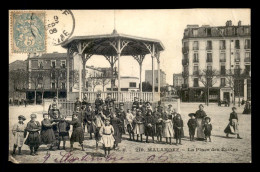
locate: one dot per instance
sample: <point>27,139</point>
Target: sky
<point>165,25</point>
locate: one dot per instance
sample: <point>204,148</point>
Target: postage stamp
<point>28,31</point>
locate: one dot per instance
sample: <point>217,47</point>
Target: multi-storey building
<point>47,72</point>
<point>177,80</point>
<point>148,78</point>
<point>222,48</point>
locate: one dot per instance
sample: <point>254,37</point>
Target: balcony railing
<point>185,62</point>
<point>195,48</point>
<point>184,85</point>
<point>195,72</point>
<point>247,47</point>
<point>185,50</point>
<point>237,60</point>
<point>222,60</point>
<point>209,48</point>
<point>247,59</point>
<point>195,60</point>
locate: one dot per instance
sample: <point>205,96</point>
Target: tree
<point>208,77</point>
<point>58,74</point>
<point>35,80</point>
<point>43,76</point>
<point>104,81</point>
<point>146,87</point>
<point>234,78</point>
<point>18,80</point>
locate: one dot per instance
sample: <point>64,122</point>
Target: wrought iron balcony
<point>184,85</point>
<point>185,62</point>
<point>209,48</point>
<point>222,60</point>
<point>185,50</point>
<point>247,59</point>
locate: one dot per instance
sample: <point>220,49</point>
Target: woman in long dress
<point>47,134</point>
<point>200,117</point>
<point>77,132</point>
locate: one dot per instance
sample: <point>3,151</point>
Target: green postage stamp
<point>28,31</point>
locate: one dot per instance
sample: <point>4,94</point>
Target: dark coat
<point>192,124</point>
<point>179,133</point>
<point>135,105</point>
<point>89,118</point>
<point>77,132</point>
<point>207,129</point>
<point>47,134</point>
<point>149,130</point>
<point>233,115</point>
<point>117,125</point>
<point>200,114</point>
<point>98,103</point>
<point>33,138</point>
<point>63,128</point>
<point>52,111</point>
<point>77,104</point>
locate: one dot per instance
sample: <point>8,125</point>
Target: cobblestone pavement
<point>221,149</point>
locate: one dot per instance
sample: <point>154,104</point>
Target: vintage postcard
<point>130,86</point>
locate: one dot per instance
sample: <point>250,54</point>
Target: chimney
<point>239,23</point>
<point>229,23</point>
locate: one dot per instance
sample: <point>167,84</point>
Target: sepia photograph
<point>130,86</point>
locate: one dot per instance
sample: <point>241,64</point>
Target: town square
<point>125,88</point>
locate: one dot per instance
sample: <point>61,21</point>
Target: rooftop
<point>228,30</point>
<point>100,44</point>
<point>48,55</point>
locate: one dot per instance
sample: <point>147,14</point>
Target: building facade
<point>46,72</point>
<point>177,80</point>
<point>148,77</point>
<point>222,49</point>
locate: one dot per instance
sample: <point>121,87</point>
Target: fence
<point>123,96</point>
<point>67,107</point>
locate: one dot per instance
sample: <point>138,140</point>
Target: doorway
<point>226,96</point>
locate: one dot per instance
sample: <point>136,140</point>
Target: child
<point>63,128</point>
<point>192,124</point>
<point>139,125</point>
<point>56,118</point>
<point>149,125</point>
<point>129,124</point>
<point>33,140</point>
<point>107,139</point>
<point>98,123</point>
<point>19,134</point>
<point>178,125</point>
<point>207,129</point>
<point>77,133</point>
<point>47,134</point>
<point>116,123</point>
<point>89,118</point>
<point>168,132</point>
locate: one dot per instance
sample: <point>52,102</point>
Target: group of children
<point>107,123</point>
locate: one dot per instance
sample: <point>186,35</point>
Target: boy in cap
<point>19,134</point>
<point>207,129</point>
<point>64,128</point>
<point>33,140</point>
<point>192,124</point>
<point>54,110</point>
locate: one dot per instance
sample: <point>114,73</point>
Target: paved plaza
<point>221,149</point>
